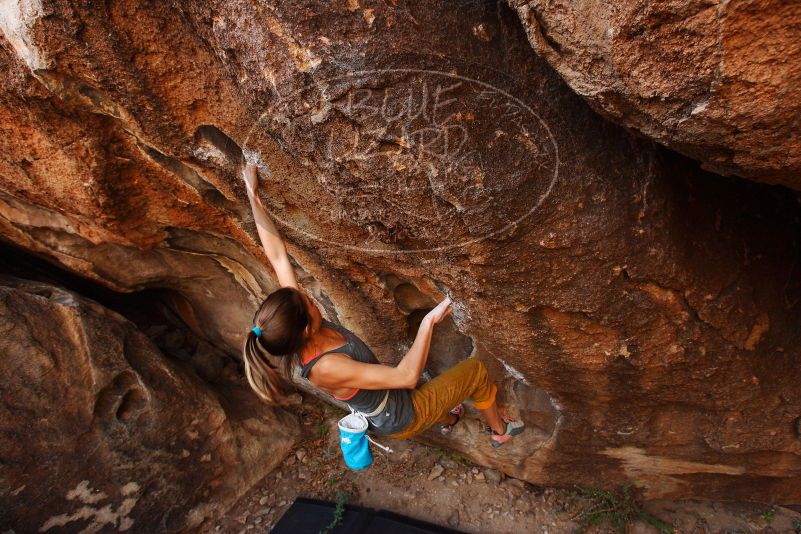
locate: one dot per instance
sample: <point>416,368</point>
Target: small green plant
<point>331,451</point>
<point>322,430</point>
<point>342,499</point>
<point>456,457</point>
<point>333,481</point>
<point>618,510</point>
<point>768,515</point>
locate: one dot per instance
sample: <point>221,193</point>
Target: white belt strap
<point>381,406</point>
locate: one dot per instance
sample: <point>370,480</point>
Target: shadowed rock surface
<point>102,433</point>
<point>716,80</point>
<point>641,314</point>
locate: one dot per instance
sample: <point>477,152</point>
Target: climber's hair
<point>282,318</point>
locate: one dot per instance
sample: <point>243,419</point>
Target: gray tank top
<point>399,410</point>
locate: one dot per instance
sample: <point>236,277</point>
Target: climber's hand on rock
<point>251,177</point>
<point>439,312</point>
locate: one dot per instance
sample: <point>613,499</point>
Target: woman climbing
<point>289,325</point>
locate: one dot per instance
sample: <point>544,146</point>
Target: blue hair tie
<point>256,330</point>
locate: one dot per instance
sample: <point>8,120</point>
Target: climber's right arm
<point>270,238</point>
<point>340,371</point>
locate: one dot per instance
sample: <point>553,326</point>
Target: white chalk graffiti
<point>445,160</point>
<point>98,516</point>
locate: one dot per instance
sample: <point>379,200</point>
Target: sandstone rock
<point>303,473</point>
<point>436,471</point>
<point>640,315</point>
<point>718,81</point>
<point>517,484</point>
<point>523,505</point>
<point>447,463</point>
<point>207,362</point>
<point>97,424</point>
<point>453,519</point>
<point>493,476</point>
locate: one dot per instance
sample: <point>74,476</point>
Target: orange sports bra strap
<point>306,362</point>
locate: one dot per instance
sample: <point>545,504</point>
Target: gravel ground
<point>440,487</point>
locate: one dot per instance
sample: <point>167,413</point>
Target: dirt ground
<point>440,487</point>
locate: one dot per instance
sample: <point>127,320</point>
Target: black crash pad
<point>310,516</point>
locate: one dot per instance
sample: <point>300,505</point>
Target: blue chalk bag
<point>353,441</point>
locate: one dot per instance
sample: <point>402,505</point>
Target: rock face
<point>640,314</point>
<point>101,432</point>
<point>718,81</point>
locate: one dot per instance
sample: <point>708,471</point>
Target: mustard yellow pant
<point>466,380</point>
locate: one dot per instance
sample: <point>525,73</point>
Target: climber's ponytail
<point>262,376</point>
<point>279,329</point>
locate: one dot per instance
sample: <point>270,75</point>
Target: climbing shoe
<point>513,428</point>
<point>457,411</point>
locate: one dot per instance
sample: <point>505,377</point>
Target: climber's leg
<point>466,380</point>
<point>494,419</point>
<point>448,419</point>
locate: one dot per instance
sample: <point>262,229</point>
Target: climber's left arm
<point>270,238</point>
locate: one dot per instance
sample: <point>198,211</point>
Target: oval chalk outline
<point>509,226</point>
